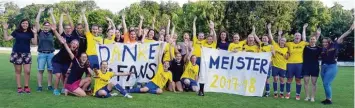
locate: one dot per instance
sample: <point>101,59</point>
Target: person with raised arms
<point>266,47</point>
<point>190,75</point>
<point>103,86</point>
<point>310,64</point>
<point>295,60</point>
<point>197,43</point>
<point>329,67</point>
<point>236,45</point>
<point>21,57</point>
<point>91,42</point>
<point>110,33</point>
<point>128,36</point>
<point>163,75</point>
<point>250,44</point>
<point>223,42</point>
<point>211,41</point>
<point>279,63</point>
<point>75,84</point>
<point>45,49</point>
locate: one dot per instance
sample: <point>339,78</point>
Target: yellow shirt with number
<point>102,80</point>
<point>252,48</point>
<point>279,58</point>
<point>236,46</point>
<point>191,71</point>
<point>166,56</point>
<point>296,51</point>
<point>162,77</point>
<point>91,43</point>
<point>197,46</point>
<point>109,41</point>
<point>213,45</point>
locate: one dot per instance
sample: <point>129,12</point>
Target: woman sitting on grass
<point>103,87</point>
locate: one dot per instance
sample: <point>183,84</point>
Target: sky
<point>117,5</point>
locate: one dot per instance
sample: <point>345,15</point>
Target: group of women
<point>179,64</point>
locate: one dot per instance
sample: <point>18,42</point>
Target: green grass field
<point>343,96</point>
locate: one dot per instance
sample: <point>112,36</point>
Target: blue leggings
<point>328,74</point>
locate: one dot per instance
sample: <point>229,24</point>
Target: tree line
<point>231,16</point>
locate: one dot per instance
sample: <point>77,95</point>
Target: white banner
<point>139,58</point>
<point>242,73</point>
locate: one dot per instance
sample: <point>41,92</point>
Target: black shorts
<point>20,58</point>
<point>310,70</point>
<point>176,76</point>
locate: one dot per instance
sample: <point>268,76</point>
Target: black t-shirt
<point>62,57</point>
<point>76,72</point>
<point>177,68</point>
<point>311,55</point>
<point>22,41</point>
<point>81,38</point>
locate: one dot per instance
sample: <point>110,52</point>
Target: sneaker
<point>298,97</point>
<point>282,96</point>
<point>307,99</point>
<point>50,88</point>
<point>327,102</point>
<point>287,96</point>
<point>39,89</point>
<point>19,90</point>
<point>266,94</point>
<point>56,92</point>
<point>275,95</point>
<point>312,100</point>
<point>128,96</point>
<point>27,90</point>
<point>200,93</point>
<point>114,94</point>
<point>62,91</point>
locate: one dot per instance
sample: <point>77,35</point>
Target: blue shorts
<point>43,59</point>
<point>60,68</point>
<point>192,82</point>
<point>278,72</point>
<point>294,69</point>
<point>94,62</point>
<point>152,87</point>
<point>108,94</point>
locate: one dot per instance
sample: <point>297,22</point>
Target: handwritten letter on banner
<point>139,58</point>
<point>240,73</point>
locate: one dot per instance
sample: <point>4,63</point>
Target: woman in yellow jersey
<point>266,47</point>
<point>236,45</point>
<point>162,76</point>
<point>250,45</point>
<point>190,75</point>
<point>110,34</point>
<point>279,62</point>
<point>150,37</point>
<point>197,42</point>
<point>211,41</point>
<point>295,60</point>
<point>92,39</point>
<point>103,87</point>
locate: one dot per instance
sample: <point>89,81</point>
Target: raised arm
<point>70,20</point>
<point>38,18</point>
<point>255,36</point>
<point>50,11</point>
<point>168,27</point>
<point>67,48</point>
<point>213,32</point>
<point>172,30</point>
<point>140,25</point>
<point>56,34</point>
<point>194,29</point>
<point>85,20</point>
<point>6,36</point>
<point>161,52</point>
<point>340,39</point>
<point>125,30</point>
<point>189,51</point>
<point>269,31</point>
<point>153,23</point>
<point>112,24</point>
<point>304,32</point>
<point>279,33</point>
<point>318,32</point>
<point>61,28</point>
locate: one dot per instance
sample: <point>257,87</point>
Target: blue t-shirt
<point>329,55</point>
<point>22,41</point>
<point>76,72</point>
<point>223,46</point>
<point>311,55</point>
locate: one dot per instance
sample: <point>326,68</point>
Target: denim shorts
<point>43,59</point>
